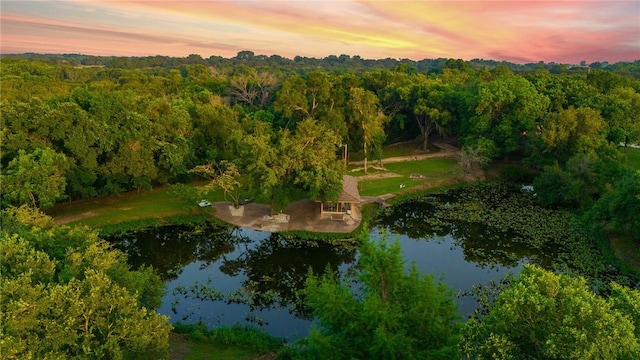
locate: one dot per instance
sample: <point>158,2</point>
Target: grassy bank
<point>177,204</point>
<point>195,342</point>
<point>135,210</point>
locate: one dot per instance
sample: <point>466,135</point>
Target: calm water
<point>226,276</point>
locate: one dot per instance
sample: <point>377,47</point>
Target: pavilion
<point>347,201</point>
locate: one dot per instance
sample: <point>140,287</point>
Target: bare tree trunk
<point>365,159</point>
<point>423,130</point>
<point>364,146</point>
<point>33,200</point>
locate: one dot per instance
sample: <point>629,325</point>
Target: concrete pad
<point>301,215</point>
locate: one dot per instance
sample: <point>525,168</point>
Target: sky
<point>562,31</point>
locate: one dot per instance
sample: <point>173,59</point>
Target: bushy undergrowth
<point>245,337</point>
<point>182,219</point>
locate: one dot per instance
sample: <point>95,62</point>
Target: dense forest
<point>77,127</point>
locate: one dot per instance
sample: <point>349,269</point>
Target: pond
<point>222,276</point>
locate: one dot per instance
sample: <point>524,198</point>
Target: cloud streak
<point>519,31</point>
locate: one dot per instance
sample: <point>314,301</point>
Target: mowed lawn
<point>157,204</point>
<point>435,170</point>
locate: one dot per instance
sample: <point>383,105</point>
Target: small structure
<point>347,201</point>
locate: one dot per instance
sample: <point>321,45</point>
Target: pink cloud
<point>521,31</point>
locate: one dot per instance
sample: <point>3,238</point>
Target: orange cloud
<point>522,31</point>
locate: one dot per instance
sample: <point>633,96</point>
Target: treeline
<point>330,63</point>
<point>79,131</point>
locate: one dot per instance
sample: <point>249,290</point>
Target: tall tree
<point>363,107</point>
<point>305,160</point>
<point>621,110</point>
<point>304,97</point>
<point>252,87</point>
<point>68,295</point>
<point>426,100</point>
<point>570,132</point>
<point>225,176</point>
<point>508,109</point>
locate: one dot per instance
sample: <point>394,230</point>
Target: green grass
<point>177,204</point>
<point>227,342</point>
<point>632,158</point>
<point>201,351</point>
<point>425,167</point>
<point>143,207</point>
<point>435,170</point>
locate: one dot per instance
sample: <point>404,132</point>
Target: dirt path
<point>446,150</point>
<point>375,176</point>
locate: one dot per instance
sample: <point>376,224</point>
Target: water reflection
<point>223,275</point>
<point>227,275</point>
<point>220,275</point>
<point>481,244</point>
<point>276,270</point>
<point>170,248</point>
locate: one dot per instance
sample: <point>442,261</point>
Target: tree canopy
<point>386,314</point>
<point>549,316</point>
<point>67,294</point>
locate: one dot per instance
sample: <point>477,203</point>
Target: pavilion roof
<point>350,191</point>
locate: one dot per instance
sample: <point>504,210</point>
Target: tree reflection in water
<point>469,236</point>
<point>276,270</point>
<point>170,248</point>
<point>267,274</point>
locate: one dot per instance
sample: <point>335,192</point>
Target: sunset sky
<point>519,31</point>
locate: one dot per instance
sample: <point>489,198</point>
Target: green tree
<point>363,107</point>
<point>68,295</point>
<point>548,316</point>
<point>426,100</point>
<point>279,164</point>
<point>316,95</point>
<point>225,176</point>
<point>171,127</point>
<point>507,109</point>
<point>212,124</point>
<point>387,314</point>
<point>36,179</point>
<point>618,209</point>
<point>621,110</point>
<point>572,131</point>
